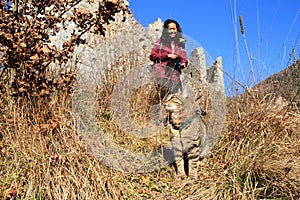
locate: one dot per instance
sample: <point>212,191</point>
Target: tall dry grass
<point>42,156</point>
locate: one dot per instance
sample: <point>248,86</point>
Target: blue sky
<point>271,29</point>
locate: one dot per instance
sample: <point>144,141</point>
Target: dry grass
<point>42,157</point>
<point>259,150</point>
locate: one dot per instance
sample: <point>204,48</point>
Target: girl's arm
<point>157,53</point>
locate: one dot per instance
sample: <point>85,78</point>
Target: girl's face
<point>172,29</point>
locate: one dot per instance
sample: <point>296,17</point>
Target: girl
<point>169,55</point>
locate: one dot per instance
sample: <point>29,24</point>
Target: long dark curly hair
<point>165,38</point>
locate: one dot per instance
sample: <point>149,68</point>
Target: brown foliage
<point>27,52</point>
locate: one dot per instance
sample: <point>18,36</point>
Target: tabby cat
<point>188,132</point>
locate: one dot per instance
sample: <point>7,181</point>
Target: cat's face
<point>173,103</point>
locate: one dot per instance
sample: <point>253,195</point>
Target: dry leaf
<point>23,44</point>
<point>21,89</point>
<point>34,57</point>
<point>11,191</point>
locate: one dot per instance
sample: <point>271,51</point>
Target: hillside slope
<point>285,84</point>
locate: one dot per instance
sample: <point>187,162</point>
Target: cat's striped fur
<point>187,133</point>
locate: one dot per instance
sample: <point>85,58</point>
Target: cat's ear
<point>168,97</point>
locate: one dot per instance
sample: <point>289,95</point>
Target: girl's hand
<point>173,56</point>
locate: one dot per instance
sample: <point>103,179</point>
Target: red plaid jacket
<point>159,55</point>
